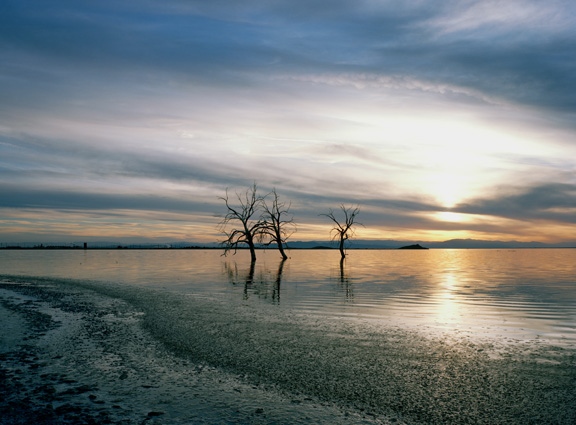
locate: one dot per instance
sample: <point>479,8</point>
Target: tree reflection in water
<point>345,284</point>
<point>264,284</point>
<point>276,290</point>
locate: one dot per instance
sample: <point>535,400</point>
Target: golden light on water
<point>448,310</point>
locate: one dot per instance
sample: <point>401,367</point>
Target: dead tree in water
<point>275,228</point>
<point>243,217</point>
<point>342,231</point>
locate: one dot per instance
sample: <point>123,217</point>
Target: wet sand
<point>70,354</point>
<point>71,357</point>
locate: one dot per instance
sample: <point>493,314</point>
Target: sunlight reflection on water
<point>497,293</point>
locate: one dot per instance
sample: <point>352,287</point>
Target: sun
<point>447,189</point>
<point>456,158</point>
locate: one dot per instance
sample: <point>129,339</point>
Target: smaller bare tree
<point>275,226</point>
<point>343,230</point>
<point>244,215</point>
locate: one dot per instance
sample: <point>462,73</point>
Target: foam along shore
<point>116,354</point>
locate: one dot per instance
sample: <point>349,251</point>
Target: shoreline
<point>36,388</point>
<point>116,354</point>
<point>28,391</point>
<point>71,357</point>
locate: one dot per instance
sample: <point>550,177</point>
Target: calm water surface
<point>504,294</point>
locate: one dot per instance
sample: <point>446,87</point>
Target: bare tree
<point>343,230</point>
<point>276,227</point>
<point>243,217</point>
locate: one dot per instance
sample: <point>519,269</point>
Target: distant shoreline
<point>163,248</point>
<point>355,244</point>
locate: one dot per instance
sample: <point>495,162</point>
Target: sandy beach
<point>70,354</point>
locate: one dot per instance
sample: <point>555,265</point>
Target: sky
<point>128,119</point>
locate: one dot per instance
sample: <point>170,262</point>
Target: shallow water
<point>520,294</point>
<point>439,336</point>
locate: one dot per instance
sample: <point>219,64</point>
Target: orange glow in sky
<point>439,123</point>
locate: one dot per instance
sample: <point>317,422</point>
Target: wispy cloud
<point>553,202</point>
<point>150,108</point>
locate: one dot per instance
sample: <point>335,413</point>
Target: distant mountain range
<point>353,244</point>
<point>452,243</point>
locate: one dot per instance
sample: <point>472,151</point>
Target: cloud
<point>555,202</point>
<point>28,198</point>
<point>160,105</point>
<point>416,45</point>
<point>511,18</point>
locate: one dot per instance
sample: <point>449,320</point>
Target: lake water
<point>527,293</point>
<point>388,336</point>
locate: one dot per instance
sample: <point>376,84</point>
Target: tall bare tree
<point>243,219</point>
<point>343,229</point>
<point>276,225</point>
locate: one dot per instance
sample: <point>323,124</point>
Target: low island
<point>415,246</point>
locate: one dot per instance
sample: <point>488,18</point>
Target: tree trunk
<point>280,247</point>
<point>342,246</point>
<point>252,252</point>
<point>282,253</point>
<point>250,243</point>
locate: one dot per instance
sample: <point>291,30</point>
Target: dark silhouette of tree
<point>276,226</point>
<point>246,227</point>
<point>343,229</point>
<point>276,290</point>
